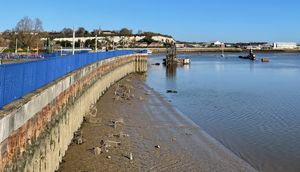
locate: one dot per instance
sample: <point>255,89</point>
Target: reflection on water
<point>250,107</point>
<point>171,71</point>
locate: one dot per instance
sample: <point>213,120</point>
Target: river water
<point>252,108</point>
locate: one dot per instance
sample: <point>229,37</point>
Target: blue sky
<point>191,20</point>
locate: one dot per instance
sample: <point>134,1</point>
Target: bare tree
<point>29,32</point>
<point>38,33</point>
<point>24,25</point>
<point>24,32</point>
<point>38,26</point>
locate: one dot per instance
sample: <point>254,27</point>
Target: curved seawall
<point>37,129</point>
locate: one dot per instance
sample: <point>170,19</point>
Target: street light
<point>73,49</point>
<point>96,40</point>
<point>16,50</point>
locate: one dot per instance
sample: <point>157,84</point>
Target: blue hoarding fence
<point>19,79</point>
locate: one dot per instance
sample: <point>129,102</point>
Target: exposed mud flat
<point>132,128</point>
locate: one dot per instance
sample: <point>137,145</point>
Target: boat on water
<point>181,61</point>
<point>222,47</point>
<point>251,56</point>
<point>184,61</point>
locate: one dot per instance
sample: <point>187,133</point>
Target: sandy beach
<point>132,128</point>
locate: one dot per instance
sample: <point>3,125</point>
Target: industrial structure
<point>284,45</point>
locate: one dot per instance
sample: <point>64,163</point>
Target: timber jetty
<point>171,57</point>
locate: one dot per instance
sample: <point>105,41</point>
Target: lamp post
<point>96,40</point>
<point>37,47</point>
<point>73,49</point>
<point>16,50</point>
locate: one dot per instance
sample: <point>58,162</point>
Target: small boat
<point>251,56</point>
<point>264,59</point>
<point>181,61</point>
<point>184,61</point>
<point>222,47</point>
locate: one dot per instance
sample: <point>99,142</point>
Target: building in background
<point>156,45</point>
<point>284,45</point>
<point>141,45</point>
<point>180,45</point>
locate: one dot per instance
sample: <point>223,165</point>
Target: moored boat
<point>251,56</point>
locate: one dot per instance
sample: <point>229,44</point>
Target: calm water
<point>252,108</point>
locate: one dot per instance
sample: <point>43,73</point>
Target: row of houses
<point>158,41</point>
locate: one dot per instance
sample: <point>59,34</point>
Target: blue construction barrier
<point>17,80</point>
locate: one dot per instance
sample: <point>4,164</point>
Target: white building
<point>180,45</point>
<point>217,43</point>
<point>285,45</point>
<point>253,47</point>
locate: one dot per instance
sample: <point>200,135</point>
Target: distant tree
<point>66,44</point>
<point>167,44</point>
<point>67,32</point>
<point>79,44</point>
<point>81,32</point>
<point>95,32</point>
<point>10,36</point>
<point>147,39</point>
<point>3,42</point>
<point>90,43</point>
<point>155,34</point>
<point>125,31</point>
<point>58,42</point>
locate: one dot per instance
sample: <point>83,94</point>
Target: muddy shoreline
<point>132,128</point>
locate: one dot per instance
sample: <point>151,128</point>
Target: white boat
<point>186,61</point>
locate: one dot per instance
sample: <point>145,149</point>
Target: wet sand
<point>159,137</point>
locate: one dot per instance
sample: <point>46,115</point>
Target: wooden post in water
<point>171,55</point>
